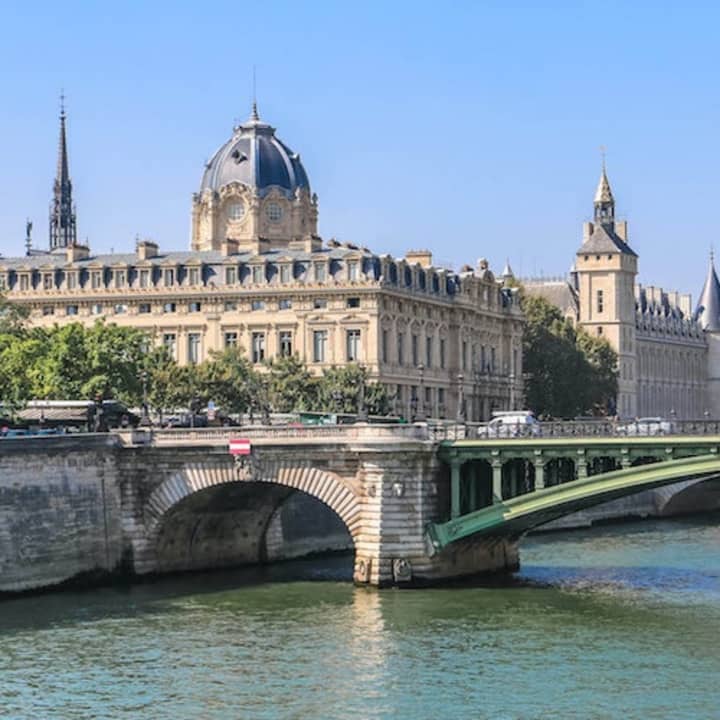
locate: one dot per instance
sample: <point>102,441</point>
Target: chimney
<point>147,249</point>
<point>588,228</point>
<point>686,304</point>
<point>621,230</point>
<point>77,252</point>
<point>421,257</point>
<point>229,247</point>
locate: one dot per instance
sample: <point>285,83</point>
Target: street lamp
<point>145,419</point>
<point>460,414</point>
<point>421,399</point>
<point>512,391</point>
<point>362,413</point>
<point>337,397</point>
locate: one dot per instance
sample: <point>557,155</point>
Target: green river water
<point>621,621</point>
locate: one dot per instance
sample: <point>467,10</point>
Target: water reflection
<point>612,622</point>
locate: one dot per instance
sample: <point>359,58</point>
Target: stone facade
<point>259,277</point>
<point>663,362</point>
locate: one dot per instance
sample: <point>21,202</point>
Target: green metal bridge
<point>506,487</point>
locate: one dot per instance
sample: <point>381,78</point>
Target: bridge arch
<point>215,514</point>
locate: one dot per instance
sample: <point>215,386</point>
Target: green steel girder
<point>516,516</point>
<point>578,448</point>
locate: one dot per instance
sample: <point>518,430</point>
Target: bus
<point>320,418</point>
<point>74,415</point>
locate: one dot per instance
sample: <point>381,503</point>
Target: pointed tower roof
<point>507,270</point>
<point>707,312</point>
<point>63,169</point>
<point>603,194</point>
<point>63,225</point>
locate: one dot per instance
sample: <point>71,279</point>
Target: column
<point>582,471</point>
<point>455,466</point>
<point>539,470</point>
<point>472,490</point>
<point>497,480</point>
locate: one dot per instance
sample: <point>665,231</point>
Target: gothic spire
<point>604,200</point>
<point>63,230</point>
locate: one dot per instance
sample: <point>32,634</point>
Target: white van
<point>518,423</point>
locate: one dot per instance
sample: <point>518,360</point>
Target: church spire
<point>63,230</point>
<point>707,312</point>
<point>604,200</point>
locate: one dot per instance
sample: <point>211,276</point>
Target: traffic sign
<point>239,446</point>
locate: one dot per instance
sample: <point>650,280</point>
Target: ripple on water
<point>601,624</point>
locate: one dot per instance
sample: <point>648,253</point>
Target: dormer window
<point>71,281</point>
<point>119,278</point>
<point>230,275</point>
<point>96,279</point>
<point>352,270</point>
<point>47,281</point>
<point>320,270</point>
<point>194,276</point>
<point>144,278</point>
<point>258,272</point>
<point>169,277</point>
<point>285,273</point>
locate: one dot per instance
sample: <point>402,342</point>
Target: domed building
<point>257,276</point>
<point>254,191</point>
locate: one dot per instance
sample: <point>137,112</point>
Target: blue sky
<point>469,128</point>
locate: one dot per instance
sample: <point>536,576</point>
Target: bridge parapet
<point>273,433</point>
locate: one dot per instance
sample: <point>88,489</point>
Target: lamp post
<point>337,397</point>
<point>362,413</point>
<point>145,419</point>
<point>421,398</point>
<point>460,414</point>
<point>512,391</point>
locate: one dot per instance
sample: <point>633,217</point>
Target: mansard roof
<point>37,261</point>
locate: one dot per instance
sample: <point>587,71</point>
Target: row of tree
<point>74,362</point>
<point>567,372</point>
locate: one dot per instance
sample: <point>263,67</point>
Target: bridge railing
<point>575,428</point>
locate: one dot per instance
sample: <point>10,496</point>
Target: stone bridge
<point>416,509</point>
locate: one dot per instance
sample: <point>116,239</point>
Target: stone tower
<point>606,267</point>
<point>255,193</point>
<point>707,314</point>
<point>63,226</point>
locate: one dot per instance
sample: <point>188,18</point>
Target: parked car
<point>510,424</point>
<point>185,420</point>
<point>647,426</point>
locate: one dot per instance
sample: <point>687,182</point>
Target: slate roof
<point>707,312</point>
<point>605,240</point>
<point>254,157</point>
<point>59,259</point>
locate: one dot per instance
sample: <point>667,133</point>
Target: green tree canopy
<point>567,372</point>
<point>291,387</point>
<point>339,390</point>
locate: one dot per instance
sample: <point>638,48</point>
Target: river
<point>620,621</point>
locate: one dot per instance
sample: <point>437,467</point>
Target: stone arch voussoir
<point>327,487</point>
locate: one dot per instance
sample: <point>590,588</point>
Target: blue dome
<point>256,158</point>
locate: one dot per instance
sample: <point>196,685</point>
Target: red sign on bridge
<point>239,446</point>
